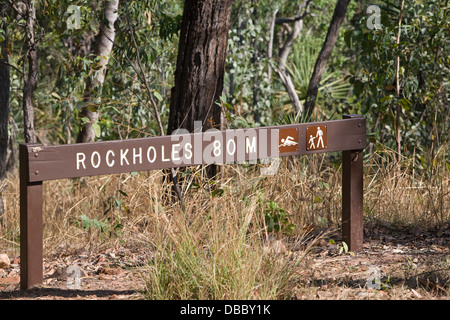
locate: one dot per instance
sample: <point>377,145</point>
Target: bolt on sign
<point>39,163</point>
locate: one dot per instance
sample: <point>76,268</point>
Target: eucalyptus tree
<point>199,76</point>
<point>200,64</point>
<point>4,97</point>
<point>327,48</point>
<point>4,89</point>
<point>103,46</point>
<point>30,75</point>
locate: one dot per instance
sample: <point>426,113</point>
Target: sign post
<point>31,228</point>
<point>40,163</point>
<point>352,196</point>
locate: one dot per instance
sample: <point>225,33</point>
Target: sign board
<point>189,149</point>
<point>40,163</point>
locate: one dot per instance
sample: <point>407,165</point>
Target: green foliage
<point>66,61</point>
<point>114,202</point>
<point>250,91</point>
<point>259,99</point>
<point>87,223</point>
<point>342,248</point>
<point>277,219</point>
<point>234,120</point>
<point>333,87</point>
<point>169,26</point>
<point>126,101</point>
<point>109,228</point>
<point>423,74</point>
<point>363,60</point>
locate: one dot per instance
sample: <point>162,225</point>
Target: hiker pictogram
<point>320,136</point>
<point>316,138</point>
<point>311,142</point>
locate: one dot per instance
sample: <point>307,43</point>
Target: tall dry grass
<point>409,192</point>
<point>220,247</point>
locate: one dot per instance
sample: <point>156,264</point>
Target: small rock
<point>4,261</point>
<point>276,247</point>
<point>416,294</point>
<point>10,280</point>
<point>279,247</point>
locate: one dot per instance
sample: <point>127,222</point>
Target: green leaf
<point>218,192</point>
<point>158,95</point>
<point>97,129</point>
<point>386,98</point>
<point>405,103</point>
<point>56,96</point>
<point>223,97</point>
<point>229,106</point>
<point>345,246</point>
<point>186,173</point>
<point>194,185</point>
<point>125,208</point>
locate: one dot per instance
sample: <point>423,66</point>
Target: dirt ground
<point>396,264</point>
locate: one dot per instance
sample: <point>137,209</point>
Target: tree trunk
<point>327,48</point>
<point>282,72</point>
<point>4,98</point>
<point>270,45</point>
<point>285,51</point>
<point>200,66</point>
<point>257,112</point>
<point>102,48</point>
<point>4,106</point>
<point>30,79</point>
<point>398,112</point>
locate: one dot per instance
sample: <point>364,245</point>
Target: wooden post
<point>352,195</point>
<point>31,227</point>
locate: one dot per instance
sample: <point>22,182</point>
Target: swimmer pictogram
<point>288,140</point>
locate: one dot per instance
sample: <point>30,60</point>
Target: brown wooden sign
<point>40,163</point>
<point>229,146</point>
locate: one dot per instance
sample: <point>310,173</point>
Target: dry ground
<point>413,265</point>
